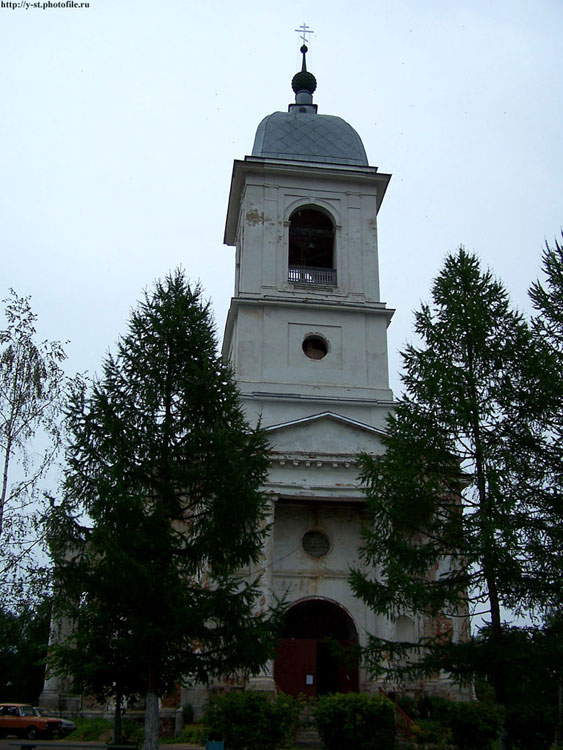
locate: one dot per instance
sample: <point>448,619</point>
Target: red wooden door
<point>295,666</point>
<point>308,666</point>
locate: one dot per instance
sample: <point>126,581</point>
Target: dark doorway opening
<point>311,239</point>
<point>311,248</point>
<point>316,654</point>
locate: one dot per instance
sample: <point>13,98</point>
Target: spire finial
<point>303,30</point>
<point>303,83</point>
<point>304,49</point>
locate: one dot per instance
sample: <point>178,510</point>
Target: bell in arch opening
<point>311,247</point>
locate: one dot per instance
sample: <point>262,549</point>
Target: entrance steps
<point>306,735</point>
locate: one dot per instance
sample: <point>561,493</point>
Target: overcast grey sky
<point>119,124</point>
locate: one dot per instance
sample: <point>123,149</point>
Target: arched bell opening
<point>311,247</point>
<point>317,652</point>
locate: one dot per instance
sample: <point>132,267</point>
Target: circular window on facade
<point>315,347</point>
<point>316,543</point>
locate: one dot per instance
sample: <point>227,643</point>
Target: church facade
<point>306,334</point>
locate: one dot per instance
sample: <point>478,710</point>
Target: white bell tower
<point>306,334</point>
<point>306,331</point>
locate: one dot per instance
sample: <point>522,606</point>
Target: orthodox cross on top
<point>303,30</point>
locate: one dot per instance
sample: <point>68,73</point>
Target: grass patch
<point>91,730</point>
<point>101,730</point>
<point>191,734</point>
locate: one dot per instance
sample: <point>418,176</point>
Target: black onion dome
<point>303,81</point>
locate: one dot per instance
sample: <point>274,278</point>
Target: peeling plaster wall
<point>297,574</point>
<point>266,208</point>
<point>319,413</point>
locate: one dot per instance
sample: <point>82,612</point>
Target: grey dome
<point>307,136</point>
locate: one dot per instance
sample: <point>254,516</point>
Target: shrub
<point>440,709</point>
<point>424,706</point>
<point>101,730</point>
<point>474,725</point>
<point>90,730</point>
<point>252,721</point>
<point>408,704</point>
<point>188,714</point>
<point>355,720</point>
<point>132,733</point>
<point>531,727</point>
<point>191,734</point>
<point>432,732</point>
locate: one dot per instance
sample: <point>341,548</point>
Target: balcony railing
<point>313,276</point>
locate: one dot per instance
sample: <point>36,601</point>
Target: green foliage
<point>431,731</point>
<point>168,472</point>
<point>470,725</point>
<point>92,730</point>
<point>547,298</point>
<point>474,725</point>
<point>100,730</point>
<point>531,726</point>
<point>188,713</point>
<point>252,721</point>
<point>456,503</point>
<point>132,733</point>
<point>32,385</point>
<point>439,708</point>
<point>535,669</point>
<point>24,636</point>
<point>433,707</point>
<point>355,720</point>
<point>191,734</point>
<point>532,661</point>
<point>407,704</point>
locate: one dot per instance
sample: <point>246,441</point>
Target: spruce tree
<point>547,298</point>
<point>456,516</point>
<point>166,472</point>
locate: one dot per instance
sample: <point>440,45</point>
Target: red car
<point>20,719</point>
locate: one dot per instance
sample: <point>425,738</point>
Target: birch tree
<point>31,391</point>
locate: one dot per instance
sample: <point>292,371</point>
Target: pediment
<point>325,434</point>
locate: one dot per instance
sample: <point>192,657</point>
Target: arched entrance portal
<point>316,654</point>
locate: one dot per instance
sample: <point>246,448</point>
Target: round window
<point>316,543</point>
<point>315,347</point>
